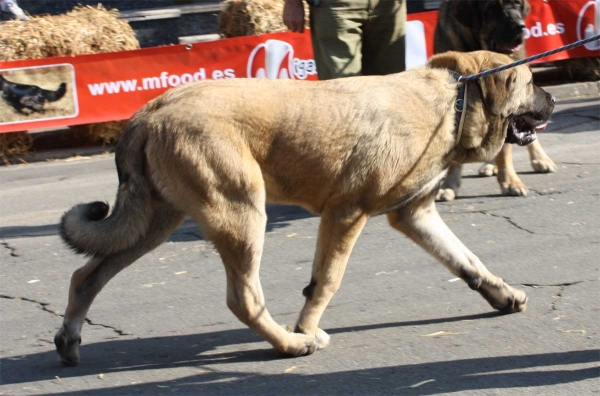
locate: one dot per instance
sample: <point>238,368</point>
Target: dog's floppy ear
<point>469,13</point>
<point>525,8</point>
<point>496,89</point>
<point>459,62</point>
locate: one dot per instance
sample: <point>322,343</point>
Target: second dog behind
<point>499,26</point>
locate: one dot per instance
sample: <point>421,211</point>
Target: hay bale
<point>14,144</point>
<point>102,133</point>
<point>84,30</point>
<point>251,17</point>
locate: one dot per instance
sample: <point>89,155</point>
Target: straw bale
<point>84,30</point>
<point>251,17</point>
<point>103,133</point>
<point>14,144</point>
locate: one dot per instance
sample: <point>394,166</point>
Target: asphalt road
<point>399,324</point>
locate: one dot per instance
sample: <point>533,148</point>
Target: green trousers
<point>358,37</point>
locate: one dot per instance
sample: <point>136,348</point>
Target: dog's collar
<point>460,106</point>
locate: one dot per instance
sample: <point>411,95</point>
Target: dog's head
<point>501,107</point>
<point>500,24</point>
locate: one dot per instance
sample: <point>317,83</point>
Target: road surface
<point>400,323</point>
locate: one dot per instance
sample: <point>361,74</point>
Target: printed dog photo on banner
<point>37,93</point>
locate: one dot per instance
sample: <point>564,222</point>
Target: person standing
<point>9,9</point>
<point>353,37</point>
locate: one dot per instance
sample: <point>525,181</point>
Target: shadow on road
<point>198,350</point>
<point>279,216</point>
<point>581,118</point>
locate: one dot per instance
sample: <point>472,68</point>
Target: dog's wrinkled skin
<point>494,25</point>
<point>344,149</point>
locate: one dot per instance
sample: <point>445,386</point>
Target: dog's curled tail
<point>86,228</point>
<point>53,96</point>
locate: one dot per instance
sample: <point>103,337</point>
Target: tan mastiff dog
<point>499,26</point>
<point>345,149</point>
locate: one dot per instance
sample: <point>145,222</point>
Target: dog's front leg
<point>337,234</point>
<point>449,188</point>
<point>422,223</point>
<point>540,161</point>
<point>509,181</point>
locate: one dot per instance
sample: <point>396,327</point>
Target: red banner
<point>550,24</point>
<point>107,87</point>
<point>113,86</point>
<point>554,23</point>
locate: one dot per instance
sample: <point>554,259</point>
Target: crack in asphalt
<point>577,163</point>
<point>556,297</point>
<point>507,218</point>
<point>547,193</point>
<point>116,330</point>
<point>44,307</point>
<point>561,286</point>
<point>12,249</point>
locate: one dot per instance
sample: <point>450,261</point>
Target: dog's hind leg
<point>234,219</point>
<point>88,280</point>
<point>540,162</point>
<point>338,231</point>
<point>421,222</point>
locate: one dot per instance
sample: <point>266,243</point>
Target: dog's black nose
<point>553,99</point>
<point>522,25</point>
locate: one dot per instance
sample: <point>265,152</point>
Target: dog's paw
<point>323,339</point>
<point>67,347</point>
<point>543,165</point>
<point>505,298</point>
<point>298,344</point>
<point>445,194</point>
<point>488,169</point>
<point>514,188</point>
<point>516,303</point>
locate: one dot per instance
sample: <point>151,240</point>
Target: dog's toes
<point>301,345</point>
<point>445,194</point>
<point>504,298</point>
<point>514,189</point>
<point>515,303</point>
<point>543,165</point>
<point>323,339</point>
<point>488,170</point>
<point>67,348</point>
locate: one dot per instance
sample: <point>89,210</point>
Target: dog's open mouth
<point>522,130</point>
<point>509,49</point>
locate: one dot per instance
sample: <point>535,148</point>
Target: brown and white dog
<point>345,150</point>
